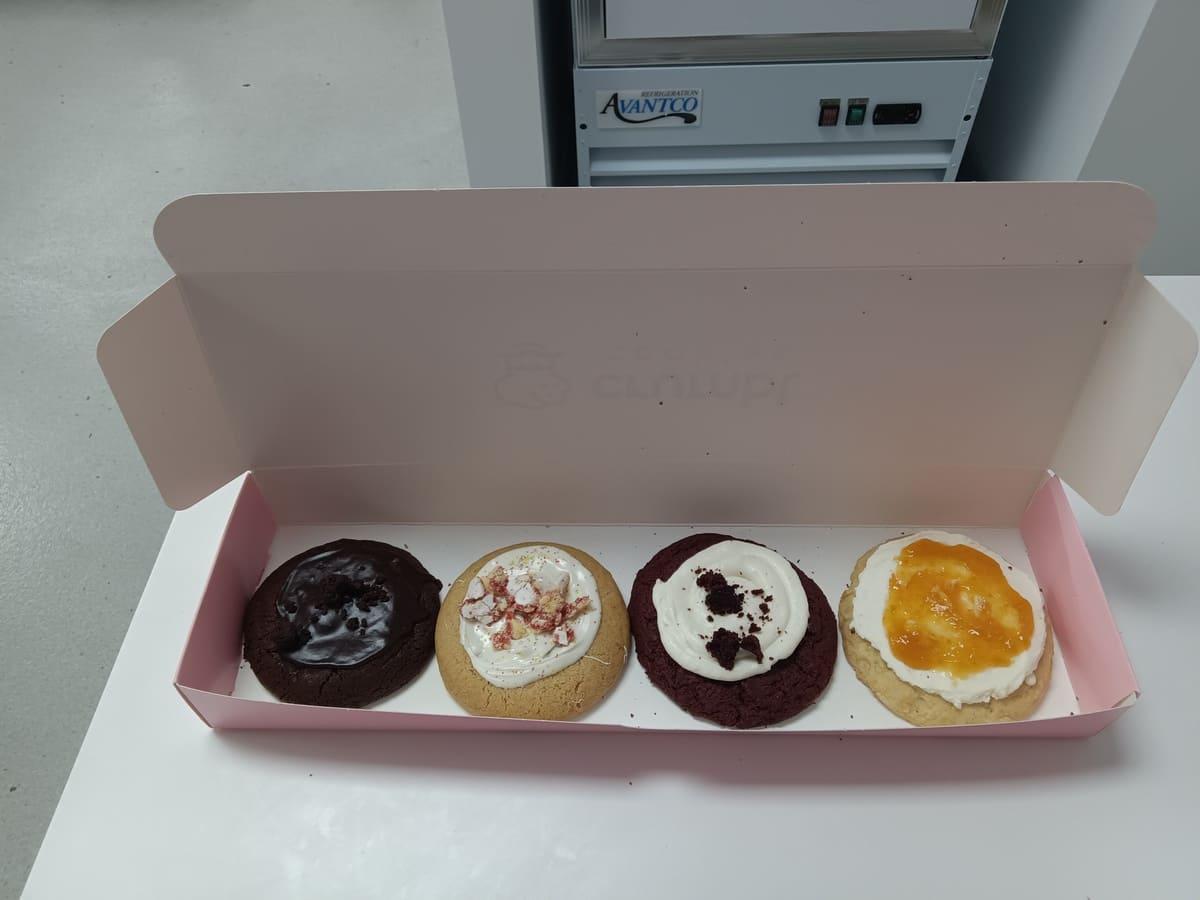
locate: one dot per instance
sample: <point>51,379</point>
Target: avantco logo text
<point>648,108</point>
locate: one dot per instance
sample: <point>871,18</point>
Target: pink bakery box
<point>816,367</point>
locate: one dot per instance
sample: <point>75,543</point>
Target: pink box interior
<point>1087,637</point>
<point>946,359</point>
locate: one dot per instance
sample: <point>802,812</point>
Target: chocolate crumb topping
<point>751,645</point>
<point>724,647</point>
<point>720,596</point>
<point>754,629</point>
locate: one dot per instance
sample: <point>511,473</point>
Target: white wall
<point>1151,134</point>
<point>1057,66</point>
<point>494,52</point>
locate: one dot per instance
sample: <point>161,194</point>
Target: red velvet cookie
<point>788,687</point>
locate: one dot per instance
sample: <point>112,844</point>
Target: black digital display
<point>896,114</point>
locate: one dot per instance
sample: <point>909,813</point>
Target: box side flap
<point>213,650</point>
<point>1084,630</point>
<point>161,381</point>
<point>748,226</point>
<point>1146,353</point>
<point>219,710</point>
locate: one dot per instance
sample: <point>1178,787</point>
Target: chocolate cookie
<point>342,624</point>
<point>791,685</point>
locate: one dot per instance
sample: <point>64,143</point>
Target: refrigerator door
<point>667,32</point>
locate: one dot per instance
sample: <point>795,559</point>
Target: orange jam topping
<point>951,608</point>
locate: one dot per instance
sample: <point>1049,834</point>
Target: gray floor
<point>108,110</point>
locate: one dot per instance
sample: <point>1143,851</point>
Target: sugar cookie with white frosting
<point>532,631</point>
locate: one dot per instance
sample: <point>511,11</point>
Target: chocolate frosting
<point>342,603</point>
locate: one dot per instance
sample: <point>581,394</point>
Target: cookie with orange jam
<point>943,631</point>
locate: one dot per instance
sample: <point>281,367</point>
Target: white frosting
<point>532,571</point>
<point>683,615</point>
<point>870,600</point>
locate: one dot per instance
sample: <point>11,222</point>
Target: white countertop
<point>159,806</point>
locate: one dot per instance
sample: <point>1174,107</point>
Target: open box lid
<point>823,353</point>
